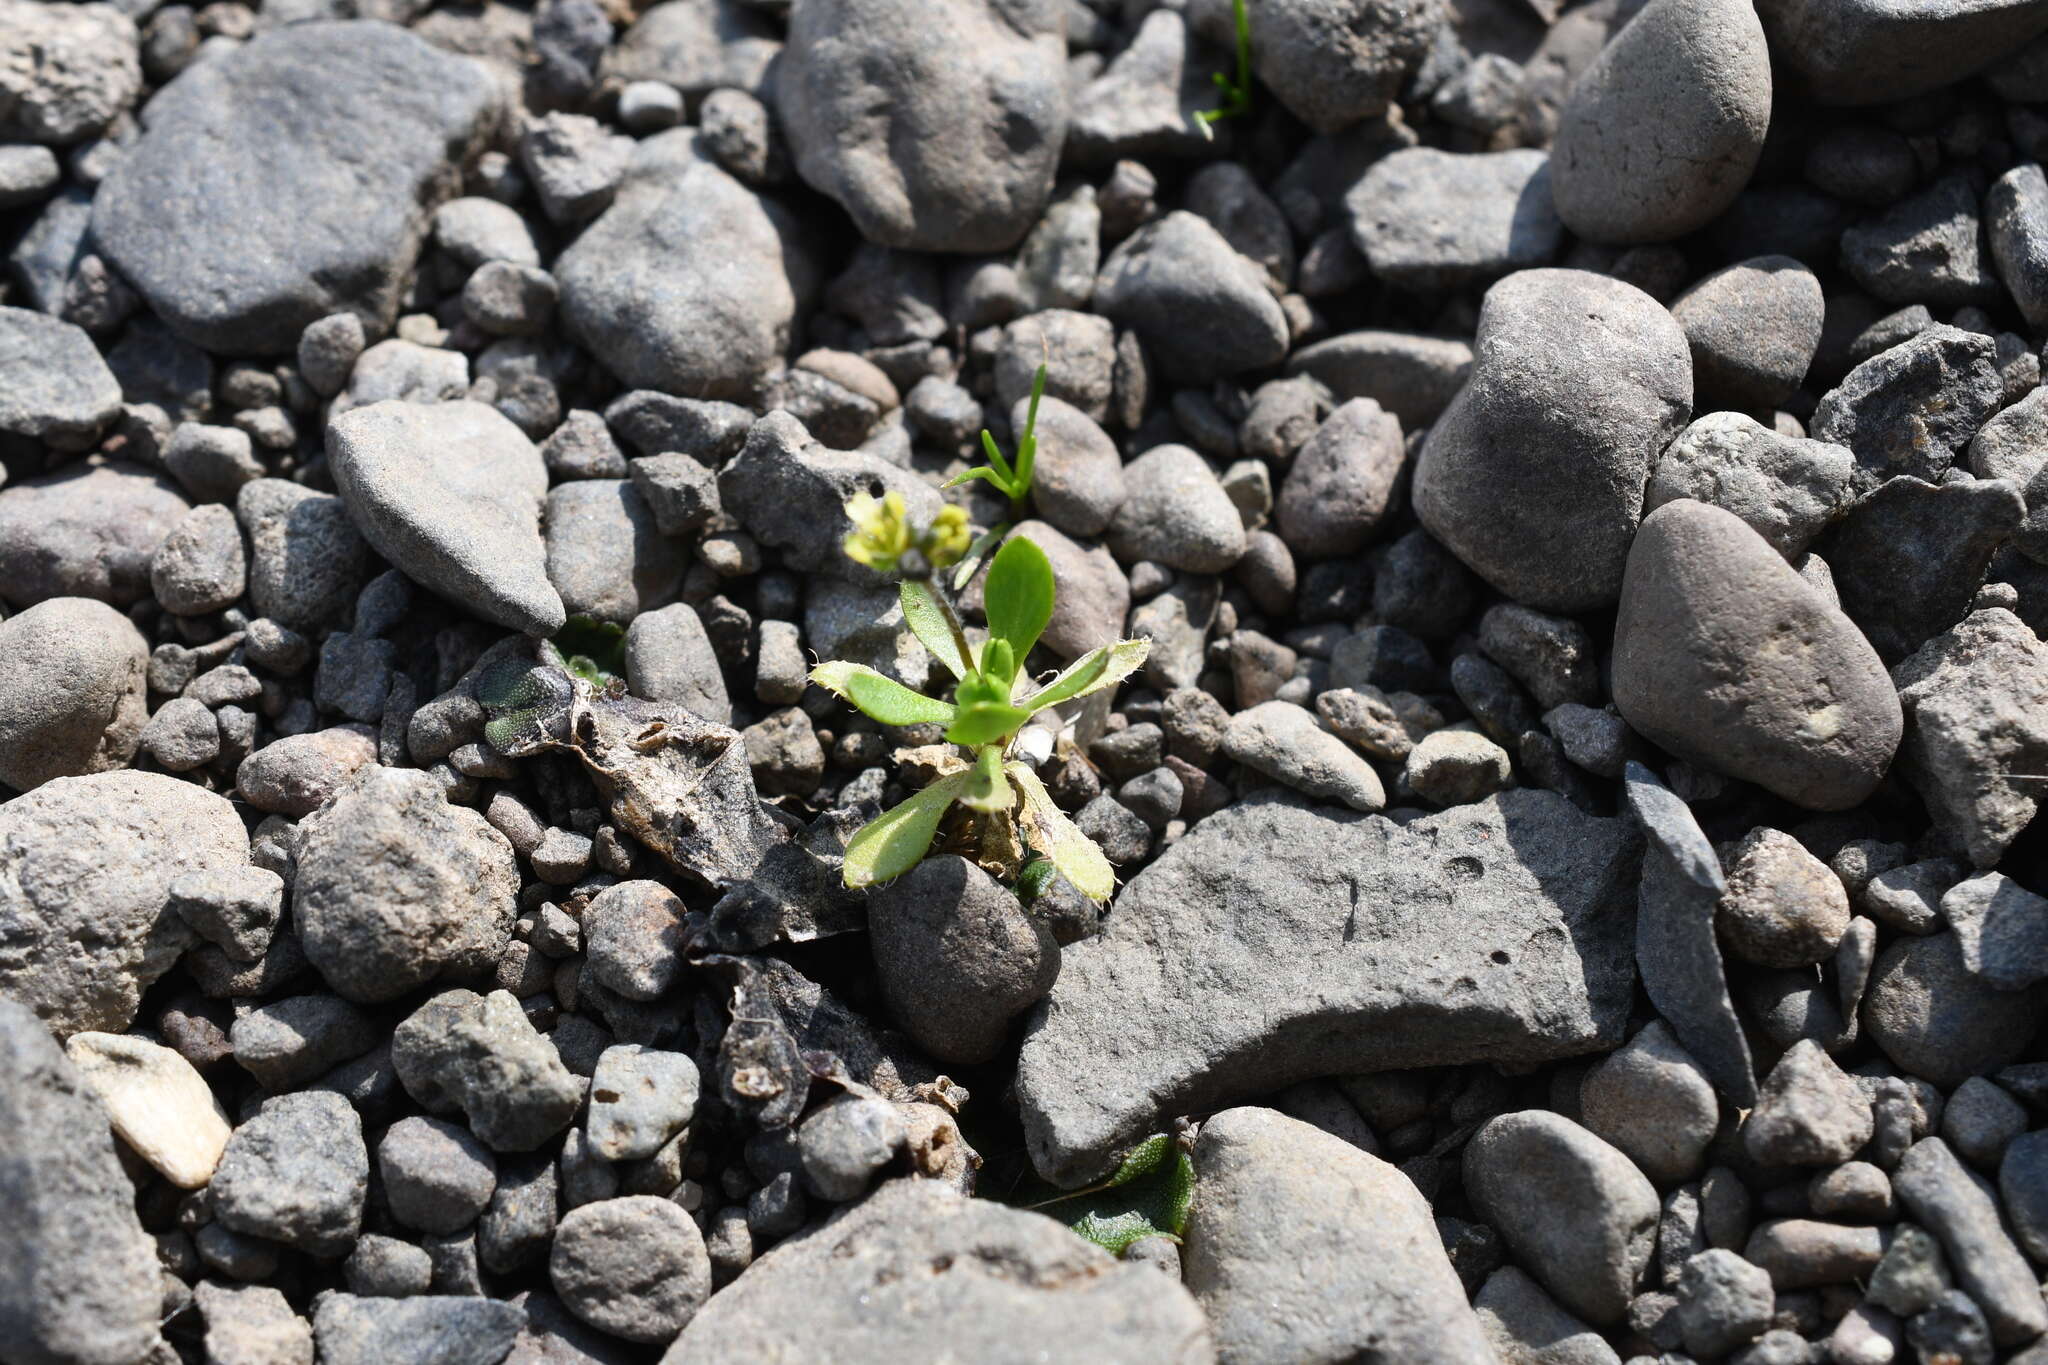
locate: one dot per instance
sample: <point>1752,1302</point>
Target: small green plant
<point>1237,90</point>
<point>1147,1196</point>
<point>593,650</point>
<point>992,698</point>
<point>1011,478</point>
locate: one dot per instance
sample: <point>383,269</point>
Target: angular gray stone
<point>669,658</point>
<point>1912,408</point>
<point>1942,1196</point>
<point>1589,1239</point>
<point>790,493</point>
<point>297,1173</point>
<point>87,530</point>
<point>1534,475</point>
<point>1430,220</point>
<point>436,1177</point>
<point>65,74</point>
<point>1784,907</point>
<point>1219,975</point>
<point>252,1323</point>
<point>1787,488</point>
<point>1201,308</point>
<point>72,691</point>
<point>286,1043</point>
<point>444,1328</point>
<point>80,1283</point>
<point>1808,1112</point>
<point>291,180</point>
<point>1726,657</point>
<point>1144,103</point>
<point>2002,927</point>
<point>54,387</point>
<point>1926,249</point>
<point>689,282</point>
<point>307,561</point>
<point>2017,209</point>
<point>640,1097</point>
<point>451,493</point>
<point>1309,1296</point>
<point>396,886</point>
<point>86,867</point>
<point>936,124</point>
<point>480,1056</point>
<point>697,46</point>
<point>1908,558</point>
<point>916,1262</point>
<point>201,567</point>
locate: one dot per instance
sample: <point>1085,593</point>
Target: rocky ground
<point>1583,477</point>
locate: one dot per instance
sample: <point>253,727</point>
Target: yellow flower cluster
<point>881,533</point>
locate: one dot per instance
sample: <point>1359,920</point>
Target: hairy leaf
<point>986,722</point>
<point>1019,594</point>
<point>1148,1196</point>
<point>1048,830</point>
<point>881,698</point>
<point>898,839</point>
<point>927,618</point>
<point>1104,666</point>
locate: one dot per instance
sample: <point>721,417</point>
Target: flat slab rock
<point>1281,941</point>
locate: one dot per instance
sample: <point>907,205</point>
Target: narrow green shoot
<point>1237,91</point>
<point>1011,478</point>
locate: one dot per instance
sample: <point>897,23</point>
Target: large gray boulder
<point>292,178</point>
<point>1279,941</point>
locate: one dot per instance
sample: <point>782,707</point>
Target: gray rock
<point>298,774</point>
<point>201,566</point>
<point>689,282</point>
<point>252,1323</point>
<point>84,531</point>
<point>866,1282</point>
<point>72,691</point>
<point>1534,475</point>
<point>1452,767</point>
<point>1341,484</point>
<point>1078,482</point>
<point>306,559</point>
<point>2017,209</point>
<point>396,886</point>
<point>445,1328</point>
<point>1928,248</point>
<point>182,735</point>
<point>1258,1170</point>
<point>1976,701</point>
<point>398,370</point>
<point>1430,220</point>
<point>790,493</point>
<point>2014,445</point>
<point>1284,742</point>
<point>1410,375</point>
<point>212,463</point>
<point>1698,670</point>
<point>286,1043</point>
<point>451,493</point>
<point>81,1281</point>
<point>329,347</point>
<point>1202,310</point>
<point>1808,1112</point>
<point>1590,1238</point>
<point>1525,1326</point>
<point>480,1056</point>
<point>1912,1274</point>
<point>290,180</point>
<point>1331,62</point>
<point>54,387</point>
<point>1787,488</point>
<point>1979,1120</point>
<point>1191,962</point>
<point>696,47</point>
<point>958,958</point>
<point>1935,1019</point>
<point>1753,328</point>
<point>296,1173</point>
<point>1945,1199</point>
<point>844,1141</point>
<point>1675,946</point>
<point>86,866</point>
<point>605,555</point>
<point>1552,656</point>
<point>436,1177</point>
<point>937,127</point>
<point>1144,103</point>
<point>633,938</point>
<point>1908,558</point>
<point>65,75</point>
<point>520,1222</point>
<point>2002,928</point>
<point>237,908</point>
<point>640,1098</point>
<point>1723,1301</point>
<point>1913,408</point>
<point>1664,128</point>
<point>1654,1103</point>
<point>634,1267</point>
<point>1867,54</point>
<point>2023,1190</point>
<point>669,658</point>
<point>1783,906</point>
<point>1176,514</point>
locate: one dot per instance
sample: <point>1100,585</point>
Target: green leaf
<point>980,471</point>
<point>1048,830</point>
<point>986,722</point>
<point>898,839</point>
<point>1148,1196</point>
<point>1104,666</point>
<point>976,552</point>
<point>1027,444</point>
<point>995,456</point>
<point>1019,594</point>
<point>601,643</point>
<point>999,667</point>
<point>881,698</point>
<point>927,618</point>
<point>988,790</point>
<point>1034,877</point>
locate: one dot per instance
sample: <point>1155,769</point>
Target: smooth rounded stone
<point>297,1173</point>
<point>286,1043</point>
<point>1590,1238</point>
<point>156,1102</point>
<point>634,1266</point>
<point>307,561</point>
<point>1726,657</point>
<point>1786,488</point>
<point>1431,221</point>
<point>1936,1020</point>
<point>1802,1253</point>
<point>2014,445</point>
<point>72,691</point>
<point>1753,328</point>
<point>669,658</point>
<point>1202,309</point>
<point>605,555</point>
<point>84,531</point>
<point>451,494</point>
<point>1332,63</point>
<point>1078,479</point>
<point>81,1282</point>
<point>395,885</point>
<point>1284,742</point>
<point>1534,475</point>
<point>1942,1196</point>
<point>27,175</point>
<point>1310,1296</point>
<point>201,565</point>
<point>2023,1190</point>
<point>633,938</point>
<point>290,180</point>
<point>54,387</point>
<point>298,774</point>
<point>1231,954</point>
<point>475,231</point>
<point>1979,1120</point>
<point>65,75</point>
<point>448,1329</point>
<point>436,1177</point>
<point>844,1141</point>
<point>904,1267</point>
<point>936,124</point>
<point>640,1098</point>
<point>957,957</point>
<point>1525,1326</point>
<point>1783,907</point>
<point>1341,484</point>
<point>689,283</point>
<point>2016,210</point>
<point>1665,127</point>
<point>1808,1112</point>
<point>1454,767</point>
<point>1869,53</point>
<point>329,347</point>
<point>1654,1103</point>
<point>86,866</point>
<point>1176,514</point>
<point>1855,1191</point>
<point>1913,407</point>
<point>1410,375</point>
